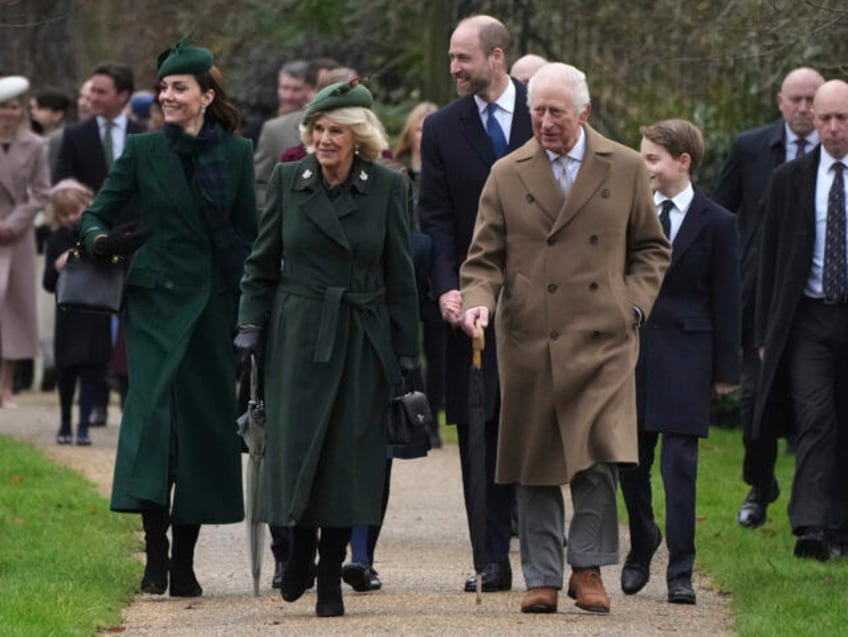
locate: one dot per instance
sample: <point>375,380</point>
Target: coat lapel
<point>317,206</point>
<point>594,170</point>
<point>535,172</point>
<point>472,130</point>
<point>166,168</point>
<point>694,221</point>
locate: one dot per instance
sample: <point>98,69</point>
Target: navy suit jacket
<point>741,189</point>
<point>81,154</point>
<point>456,157</point>
<point>691,338</point>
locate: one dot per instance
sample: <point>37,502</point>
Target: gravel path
<point>423,557</point>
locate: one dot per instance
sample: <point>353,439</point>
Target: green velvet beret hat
<point>339,95</point>
<point>185,58</point>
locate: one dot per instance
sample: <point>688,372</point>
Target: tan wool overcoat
<point>24,182</point>
<point>565,277</point>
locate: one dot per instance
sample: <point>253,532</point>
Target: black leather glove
<point>121,241</point>
<point>410,369</point>
<point>249,341</point>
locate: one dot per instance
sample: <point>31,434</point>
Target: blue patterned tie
<point>495,132</point>
<point>665,216</point>
<point>834,275</point>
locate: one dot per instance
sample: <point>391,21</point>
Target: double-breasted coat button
<point>593,239</point>
<point>605,193</point>
<point>551,241</point>
<point>554,335</point>
<point>593,286</point>
<point>552,288</point>
<point>596,334</point>
<point>530,198</point>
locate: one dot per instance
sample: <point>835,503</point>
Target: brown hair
<point>677,136</point>
<point>221,110</point>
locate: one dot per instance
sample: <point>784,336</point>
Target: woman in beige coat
<point>24,181</point>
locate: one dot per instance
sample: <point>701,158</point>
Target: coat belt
<point>366,307</point>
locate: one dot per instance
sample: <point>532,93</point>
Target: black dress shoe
<point>277,580</point>
<point>813,543</point>
<point>752,513</point>
<point>98,417</point>
<point>680,591</point>
<point>358,576</point>
<point>496,577</point>
<point>637,566</point>
<point>295,582</point>
<point>376,584</point>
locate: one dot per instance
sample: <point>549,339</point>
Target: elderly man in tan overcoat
<point>569,248</point>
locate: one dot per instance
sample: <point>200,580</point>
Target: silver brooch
<point>363,176</point>
<point>307,174</point>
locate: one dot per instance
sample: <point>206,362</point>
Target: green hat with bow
<point>339,95</point>
<point>184,58</point>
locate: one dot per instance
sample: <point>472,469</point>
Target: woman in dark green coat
<point>329,289</point>
<point>194,185</point>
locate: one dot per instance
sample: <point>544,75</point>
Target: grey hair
<point>565,74</point>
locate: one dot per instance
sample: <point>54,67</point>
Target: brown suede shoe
<point>585,585</point>
<point>539,600</point>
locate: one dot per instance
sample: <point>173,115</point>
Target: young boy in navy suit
<point>689,351</point>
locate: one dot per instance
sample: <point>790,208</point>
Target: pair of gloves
<point>249,341</point>
<point>122,240</point>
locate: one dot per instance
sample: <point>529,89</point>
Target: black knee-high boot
<point>183,581</point>
<point>300,569</point>
<point>331,553</point>
<point>155,522</point>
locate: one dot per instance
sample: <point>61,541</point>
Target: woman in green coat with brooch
<point>194,186</point>
<point>329,297</point>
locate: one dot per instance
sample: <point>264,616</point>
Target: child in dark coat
<point>82,340</point>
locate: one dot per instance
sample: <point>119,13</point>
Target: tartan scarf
<point>205,155</point>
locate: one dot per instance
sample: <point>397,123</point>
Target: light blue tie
<point>495,132</point>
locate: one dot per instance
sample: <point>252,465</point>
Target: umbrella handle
<point>478,344</point>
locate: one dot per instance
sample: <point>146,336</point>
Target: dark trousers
<point>760,452</point>
<point>363,539</point>
<point>88,376</point>
<point>679,470</point>
<point>500,498</point>
<point>818,370</point>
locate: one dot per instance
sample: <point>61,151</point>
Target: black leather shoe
<point>680,591</point>
<point>294,583</point>
<point>98,417</point>
<point>813,543</point>
<point>376,584</point>
<point>277,580</point>
<point>358,576</point>
<point>496,577</point>
<point>637,567</point>
<point>752,513</point>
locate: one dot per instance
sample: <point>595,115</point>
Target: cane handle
<point>478,343</point>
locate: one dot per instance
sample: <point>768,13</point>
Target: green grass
<point>773,593</point>
<point>67,564</point>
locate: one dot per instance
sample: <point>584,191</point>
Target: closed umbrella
<point>251,427</point>
<point>477,459</point>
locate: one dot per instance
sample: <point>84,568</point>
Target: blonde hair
<point>66,201</point>
<point>369,136</point>
<point>413,120</point>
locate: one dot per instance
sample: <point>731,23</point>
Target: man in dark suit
<point>689,349</point>
<point>88,150</point>
<point>741,189</point>
<point>802,325</point>
<point>457,153</point>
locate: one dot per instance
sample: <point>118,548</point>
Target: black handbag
<point>408,425</point>
<point>89,285</point>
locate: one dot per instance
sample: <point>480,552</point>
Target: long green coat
<point>333,284</point>
<point>179,419</point>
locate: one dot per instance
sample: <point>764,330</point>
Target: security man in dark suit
<point>802,326</point>
<point>460,143</point>
<point>741,189</point>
